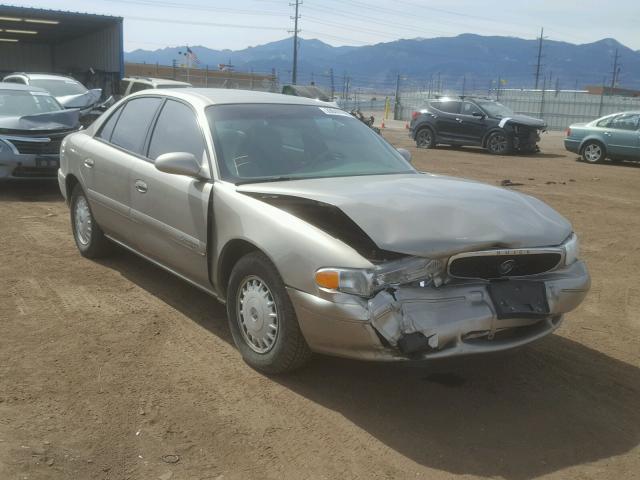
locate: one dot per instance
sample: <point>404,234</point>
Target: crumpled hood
<point>432,215</point>
<point>59,120</point>
<point>82,100</point>
<point>527,120</point>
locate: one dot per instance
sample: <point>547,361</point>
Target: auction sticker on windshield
<point>334,111</point>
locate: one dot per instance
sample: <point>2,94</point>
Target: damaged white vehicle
<point>318,235</point>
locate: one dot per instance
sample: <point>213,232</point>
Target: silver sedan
<point>316,232</point>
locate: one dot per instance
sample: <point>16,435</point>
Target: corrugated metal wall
<point>25,57</point>
<point>99,50</point>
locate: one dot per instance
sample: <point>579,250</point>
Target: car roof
<point>24,88</point>
<point>155,81</point>
<point>218,96</point>
<point>41,76</point>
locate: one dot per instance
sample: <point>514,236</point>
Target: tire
<point>593,152</point>
<point>499,143</point>
<point>87,234</point>
<point>257,294</point>
<point>425,138</point>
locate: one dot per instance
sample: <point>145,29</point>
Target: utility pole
<point>539,62</point>
<point>616,71</point>
<point>294,72</point>
<point>396,105</point>
<point>333,85</point>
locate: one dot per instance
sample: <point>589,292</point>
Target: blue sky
<point>218,24</point>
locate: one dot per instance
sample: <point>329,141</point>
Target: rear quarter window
<point>447,106</point>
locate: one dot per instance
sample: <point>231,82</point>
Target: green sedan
<point>615,136</point>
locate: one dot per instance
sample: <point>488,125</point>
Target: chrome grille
<point>504,263</point>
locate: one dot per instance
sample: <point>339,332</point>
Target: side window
<point>450,106</point>
<point>627,121</point>
<point>132,126</point>
<point>138,87</point>
<point>107,127</point>
<point>469,108</point>
<point>15,80</point>
<point>176,130</point>
<point>605,122</point>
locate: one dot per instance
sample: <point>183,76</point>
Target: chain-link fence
<point>558,108</point>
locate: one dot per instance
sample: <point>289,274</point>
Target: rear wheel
<point>87,234</point>
<point>262,320</point>
<point>425,138</point>
<point>499,143</point>
<point>593,152</point>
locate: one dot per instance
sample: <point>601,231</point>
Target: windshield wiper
<point>264,180</point>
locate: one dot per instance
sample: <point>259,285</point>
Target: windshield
<point>18,103</point>
<point>59,88</point>
<point>174,85</point>
<point>495,109</point>
<point>262,142</point>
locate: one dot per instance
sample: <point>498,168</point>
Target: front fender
<point>295,247</point>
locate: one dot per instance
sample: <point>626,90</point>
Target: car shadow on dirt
<point>516,415</point>
<point>30,191</point>
<point>611,163</point>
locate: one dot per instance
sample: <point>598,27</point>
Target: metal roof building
<point>86,46</point>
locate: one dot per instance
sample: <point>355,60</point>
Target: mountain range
<point>474,59</point>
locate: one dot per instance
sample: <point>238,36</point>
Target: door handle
<point>608,134</point>
<point>459,120</point>
<point>88,162</point>
<point>141,186</point>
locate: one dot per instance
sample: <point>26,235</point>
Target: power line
<point>206,24</point>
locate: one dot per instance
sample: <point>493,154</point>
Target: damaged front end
<point>526,138</point>
<point>416,308</point>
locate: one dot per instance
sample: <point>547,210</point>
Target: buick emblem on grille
<point>507,266</point>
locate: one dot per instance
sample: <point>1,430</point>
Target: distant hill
<point>481,59</point>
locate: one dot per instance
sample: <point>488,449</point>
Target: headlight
<point>365,282</point>
<point>571,249</point>
<point>4,147</point>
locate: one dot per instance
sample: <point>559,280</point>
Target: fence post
<point>602,97</point>
<point>206,75</point>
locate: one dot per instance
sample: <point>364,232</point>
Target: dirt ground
<point>117,370</point>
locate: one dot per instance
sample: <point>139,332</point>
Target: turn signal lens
<point>328,279</point>
<point>568,132</point>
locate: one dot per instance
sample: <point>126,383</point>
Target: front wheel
<point>593,152</point>
<point>88,235</point>
<point>499,143</point>
<point>261,317</point>
<point>425,138</point>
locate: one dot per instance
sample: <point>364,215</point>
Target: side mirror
<point>405,153</point>
<point>179,163</point>
<point>478,114</point>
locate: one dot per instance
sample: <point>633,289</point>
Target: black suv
<point>475,121</point>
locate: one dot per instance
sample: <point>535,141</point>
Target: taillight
<point>414,115</point>
<point>568,132</point>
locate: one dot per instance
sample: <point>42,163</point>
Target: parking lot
<point>115,369</point>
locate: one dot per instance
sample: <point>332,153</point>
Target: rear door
<point>171,211</point>
<point>623,137</point>
<point>118,143</point>
<point>447,119</point>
